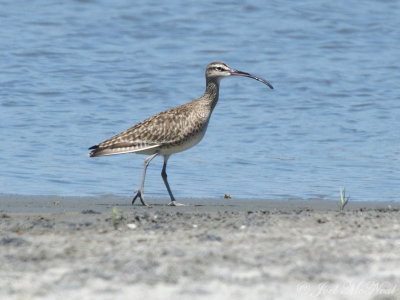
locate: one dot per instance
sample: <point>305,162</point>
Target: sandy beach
<point>103,248</point>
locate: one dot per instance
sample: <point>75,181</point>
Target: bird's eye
<point>219,69</point>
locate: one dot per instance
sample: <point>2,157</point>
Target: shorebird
<point>173,130</point>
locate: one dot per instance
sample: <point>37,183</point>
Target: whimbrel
<point>173,130</point>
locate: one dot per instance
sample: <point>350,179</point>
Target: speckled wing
<point>170,127</point>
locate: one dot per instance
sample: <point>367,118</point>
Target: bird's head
<point>219,70</point>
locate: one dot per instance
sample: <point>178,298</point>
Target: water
<point>74,73</point>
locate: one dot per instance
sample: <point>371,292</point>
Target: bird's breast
<point>186,141</point>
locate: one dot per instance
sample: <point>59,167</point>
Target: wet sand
<point>77,248</point>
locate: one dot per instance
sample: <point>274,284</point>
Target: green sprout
<point>115,218</point>
<point>343,198</point>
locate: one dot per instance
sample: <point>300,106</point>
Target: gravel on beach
<point>55,247</point>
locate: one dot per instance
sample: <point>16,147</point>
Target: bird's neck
<point>212,91</point>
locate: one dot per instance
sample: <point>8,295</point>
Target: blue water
<point>74,73</point>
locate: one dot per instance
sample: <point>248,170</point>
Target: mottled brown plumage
<point>166,130</point>
<point>173,130</point>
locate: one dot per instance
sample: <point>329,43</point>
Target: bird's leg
<point>164,177</point>
<point>140,190</point>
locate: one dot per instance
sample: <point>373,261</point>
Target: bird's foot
<point>174,203</point>
<point>140,195</point>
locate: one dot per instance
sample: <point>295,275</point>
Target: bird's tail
<point>96,151</point>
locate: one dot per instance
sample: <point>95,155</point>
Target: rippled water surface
<point>74,73</point>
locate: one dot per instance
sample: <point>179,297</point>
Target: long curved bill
<point>240,73</point>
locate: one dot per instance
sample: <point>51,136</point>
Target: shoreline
<point>52,203</point>
<point>78,248</point>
